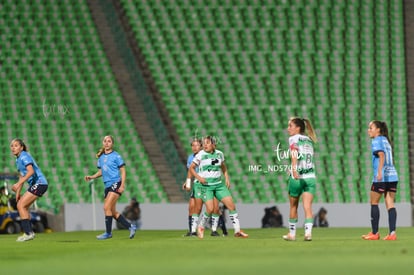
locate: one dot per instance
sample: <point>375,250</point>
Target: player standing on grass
<point>195,204</point>
<point>302,181</point>
<point>384,182</point>
<point>112,169</point>
<point>210,163</point>
<point>30,172</point>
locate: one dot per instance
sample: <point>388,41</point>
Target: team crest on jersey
<point>214,162</point>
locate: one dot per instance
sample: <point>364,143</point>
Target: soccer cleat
<point>200,232</point>
<point>26,237</point>
<point>241,234</point>
<point>391,237</point>
<point>371,237</point>
<point>289,237</point>
<point>132,230</point>
<point>104,236</point>
<point>214,234</point>
<point>308,237</point>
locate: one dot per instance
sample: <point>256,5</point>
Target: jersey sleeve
<point>222,156</point>
<point>293,143</point>
<point>377,146</point>
<point>119,161</point>
<point>197,159</point>
<point>98,163</point>
<point>26,160</point>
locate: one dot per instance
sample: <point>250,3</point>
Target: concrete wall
<point>174,216</point>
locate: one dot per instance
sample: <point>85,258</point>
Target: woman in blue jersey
<point>211,169</point>
<point>30,172</point>
<point>384,182</point>
<point>302,181</point>
<point>112,169</point>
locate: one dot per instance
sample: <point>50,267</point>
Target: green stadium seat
<point>256,54</point>
<point>59,88</point>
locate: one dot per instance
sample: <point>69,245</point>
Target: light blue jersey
<point>25,159</point>
<point>109,165</point>
<point>381,144</point>
<point>190,160</point>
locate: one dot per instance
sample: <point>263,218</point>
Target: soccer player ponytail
<point>305,127</point>
<point>100,152</point>
<point>384,131</point>
<point>382,126</point>
<point>310,131</point>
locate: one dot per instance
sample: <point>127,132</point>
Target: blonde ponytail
<point>100,152</point>
<point>310,131</point>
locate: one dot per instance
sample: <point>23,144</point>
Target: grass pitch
<point>332,251</point>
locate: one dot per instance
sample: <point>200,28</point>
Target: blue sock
<point>108,224</point>
<point>123,221</point>
<point>26,226</point>
<point>375,215</point>
<point>392,219</point>
<point>190,221</point>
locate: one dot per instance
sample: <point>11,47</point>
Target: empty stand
<point>59,95</point>
<point>240,69</point>
<point>233,69</point>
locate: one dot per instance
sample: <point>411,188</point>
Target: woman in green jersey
<point>302,174</point>
<point>211,168</point>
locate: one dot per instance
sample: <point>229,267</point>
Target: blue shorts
<point>38,189</point>
<point>113,188</point>
<point>382,187</point>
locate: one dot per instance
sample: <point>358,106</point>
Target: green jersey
<point>209,166</point>
<point>303,145</point>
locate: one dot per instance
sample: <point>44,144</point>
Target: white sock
<point>204,220</point>
<point>308,228</point>
<point>292,229</point>
<point>214,222</point>
<point>194,223</point>
<point>234,218</point>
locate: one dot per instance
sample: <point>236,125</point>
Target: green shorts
<point>197,189</point>
<point>208,192</point>
<point>297,186</point>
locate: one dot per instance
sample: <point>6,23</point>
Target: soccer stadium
<point>155,74</point>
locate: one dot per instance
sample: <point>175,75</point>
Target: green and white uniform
<point>209,168</point>
<point>306,182</point>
